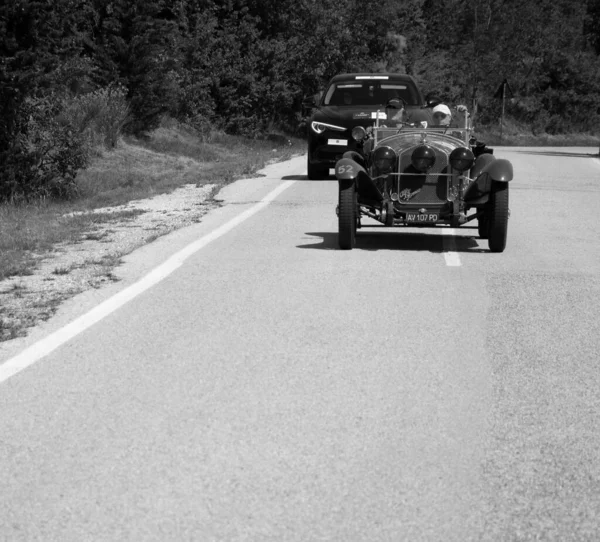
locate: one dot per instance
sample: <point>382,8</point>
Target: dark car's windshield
<point>347,93</point>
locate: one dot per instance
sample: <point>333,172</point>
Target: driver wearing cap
<point>396,111</point>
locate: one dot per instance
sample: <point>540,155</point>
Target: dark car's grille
<point>332,152</point>
<point>420,188</point>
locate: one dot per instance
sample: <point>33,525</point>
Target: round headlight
<point>384,159</point>
<point>358,133</point>
<point>461,159</point>
<point>423,158</point>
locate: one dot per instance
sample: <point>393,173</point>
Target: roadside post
<point>501,94</point>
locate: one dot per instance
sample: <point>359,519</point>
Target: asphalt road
<point>267,386</point>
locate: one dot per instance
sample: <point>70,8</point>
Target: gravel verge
<point>72,268</point>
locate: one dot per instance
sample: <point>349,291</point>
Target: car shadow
<point>305,178</point>
<point>370,239</point>
<point>559,153</point>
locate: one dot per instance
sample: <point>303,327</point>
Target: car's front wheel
<point>498,217</point>
<point>347,215</point>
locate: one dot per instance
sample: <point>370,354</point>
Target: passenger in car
<point>441,114</point>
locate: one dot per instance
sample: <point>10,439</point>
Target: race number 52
<point>345,168</point>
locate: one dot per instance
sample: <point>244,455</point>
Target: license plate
<point>337,142</point>
<point>422,217</point>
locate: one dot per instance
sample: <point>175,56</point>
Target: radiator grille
<point>424,189</point>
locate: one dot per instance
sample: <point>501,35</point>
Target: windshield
<point>443,135</point>
<point>370,93</point>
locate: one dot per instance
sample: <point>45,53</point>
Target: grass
<point>170,157</point>
<point>31,231</point>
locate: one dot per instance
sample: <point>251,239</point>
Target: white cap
<point>445,110</point>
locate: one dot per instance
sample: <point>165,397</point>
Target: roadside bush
<point>44,155</point>
<point>98,116</point>
<point>54,137</point>
<point>250,126</point>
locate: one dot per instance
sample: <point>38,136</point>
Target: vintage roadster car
<point>425,176</point>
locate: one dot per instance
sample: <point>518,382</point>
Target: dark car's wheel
<point>483,225</point>
<point>498,217</point>
<point>316,172</point>
<point>347,215</point>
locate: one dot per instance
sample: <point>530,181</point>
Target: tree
<point>40,63</point>
<point>592,25</point>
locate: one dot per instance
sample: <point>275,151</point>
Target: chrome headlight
<point>358,133</point>
<point>320,127</point>
<point>423,158</point>
<point>462,159</point>
<point>384,159</point>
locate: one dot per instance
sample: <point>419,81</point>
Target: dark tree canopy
<point>245,65</point>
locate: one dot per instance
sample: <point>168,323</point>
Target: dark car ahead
<point>350,100</point>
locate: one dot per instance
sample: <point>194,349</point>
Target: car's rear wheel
<point>347,215</point>
<point>498,217</point>
<point>316,171</point>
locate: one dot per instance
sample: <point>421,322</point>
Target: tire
<point>316,172</point>
<point>498,217</point>
<point>347,216</point>
<point>483,226</point>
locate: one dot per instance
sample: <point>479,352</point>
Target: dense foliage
<point>245,65</point>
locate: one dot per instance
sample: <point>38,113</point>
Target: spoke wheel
<point>347,215</point>
<point>498,217</point>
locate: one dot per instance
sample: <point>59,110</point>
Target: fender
<point>347,169</point>
<point>358,158</point>
<point>500,170</point>
<point>480,164</point>
<point>487,170</point>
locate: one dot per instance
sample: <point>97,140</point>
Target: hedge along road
<point>272,387</point>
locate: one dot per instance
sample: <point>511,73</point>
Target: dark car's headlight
<point>320,127</point>
<point>384,159</point>
<point>423,158</point>
<point>461,159</point>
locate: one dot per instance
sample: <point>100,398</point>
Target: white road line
<point>42,348</point>
<point>450,255</point>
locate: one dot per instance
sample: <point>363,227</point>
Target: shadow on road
<point>371,239</point>
<point>559,153</point>
<point>305,178</point>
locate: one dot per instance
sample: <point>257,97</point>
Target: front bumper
<point>327,148</point>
